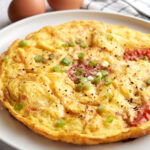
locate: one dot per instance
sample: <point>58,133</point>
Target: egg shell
<point>19,9</point>
<point>65,4</point>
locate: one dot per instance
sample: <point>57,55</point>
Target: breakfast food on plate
<point>82,82</point>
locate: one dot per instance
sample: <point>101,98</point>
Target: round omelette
<point>82,82</point>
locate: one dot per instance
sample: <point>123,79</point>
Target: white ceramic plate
<point>16,134</point>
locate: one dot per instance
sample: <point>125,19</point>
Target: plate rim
<point>70,11</point>
<point>61,12</point>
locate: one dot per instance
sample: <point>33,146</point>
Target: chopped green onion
<point>81,56</point>
<point>38,58</point>
<point>83,44</point>
<point>99,74</point>
<point>60,122</point>
<point>104,73</point>
<point>18,106</point>
<point>83,85</point>
<point>77,81</point>
<point>78,41</point>
<point>71,44</point>
<point>51,56</point>
<point>66,61</point>
<point>119,55</point>
<point>23,43</point>
<point>93,63</point>
<point>5,58</point>
<point>101,109</point>
<point>64,45</point>
<point>109,119</point>
<point>96,79</point>
<point>105,63</point>
<point>148,81</point>
<point>79,71</point>
<point>145,58</point>
<point>86,84</point>
<point>58,69</point>
<point>108,95</point>
<point>90,78</point>
<point>107,81</point>
<point>79,87</point>
<point>83,80</point>
<point>110,37</point>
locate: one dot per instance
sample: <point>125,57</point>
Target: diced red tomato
<point>143,115</point>
<point>133,55</point>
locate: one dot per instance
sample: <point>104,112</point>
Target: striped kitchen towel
<point>118,6</point>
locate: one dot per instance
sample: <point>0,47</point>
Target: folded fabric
<point>117,6</point>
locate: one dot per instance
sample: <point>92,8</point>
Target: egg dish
<point>82,82</point>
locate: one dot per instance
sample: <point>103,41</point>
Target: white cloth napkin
<point>117,6</point>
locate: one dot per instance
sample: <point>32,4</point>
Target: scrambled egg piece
<point>71,82</point>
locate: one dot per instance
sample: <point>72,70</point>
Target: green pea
<point>23,43</point>
<point>93,63</point>
<point>38,58</point>
<point>18,106</point>
<point>60,122</point>
<point>66,61</point>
